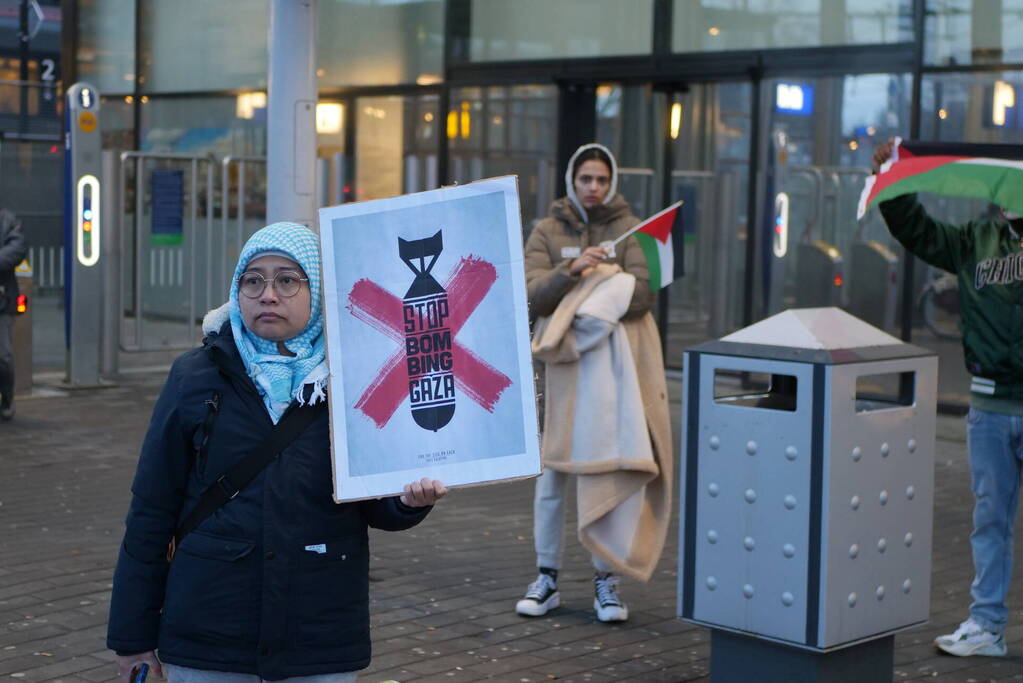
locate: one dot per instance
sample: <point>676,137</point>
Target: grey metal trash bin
<point>807,484</point>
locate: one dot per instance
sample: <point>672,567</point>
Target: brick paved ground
<point>442,593</point>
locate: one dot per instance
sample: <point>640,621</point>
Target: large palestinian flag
<point>979,171</point>
<point>661,238</point>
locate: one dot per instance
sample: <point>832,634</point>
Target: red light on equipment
<point>21,304</point>
<point>838,280</point>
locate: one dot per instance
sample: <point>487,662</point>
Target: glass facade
<point>507,131</point>
<point>716,25</point>
<point>395,145</point>
<point>196,45</point>
<point>711,141</point>
<point>222,126</point>
<point>118,122</point>
<point>770,181</point>
<point>817,157</point>
<point>973,32</point>
<point>540,29</point>
<point>106,45</point>
<point>975,107</point>
<point>380,42</point>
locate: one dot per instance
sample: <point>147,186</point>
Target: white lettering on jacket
<point>999,271</point>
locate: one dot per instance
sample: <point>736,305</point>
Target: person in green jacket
<point>987,257</point>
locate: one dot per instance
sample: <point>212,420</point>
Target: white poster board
<point>428,340</point>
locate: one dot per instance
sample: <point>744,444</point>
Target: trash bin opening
<point>885,391</point>
<point>755,389</point>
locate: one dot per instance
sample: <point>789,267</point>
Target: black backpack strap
<point>248,468</point>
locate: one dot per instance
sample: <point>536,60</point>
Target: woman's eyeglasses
<point>286,283</point>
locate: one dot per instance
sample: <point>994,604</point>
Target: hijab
<point>280,378</point>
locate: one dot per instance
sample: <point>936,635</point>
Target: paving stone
<point>442,595</point>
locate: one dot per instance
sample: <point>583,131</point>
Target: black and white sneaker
<point>606,602</point>
<point>541,597</point>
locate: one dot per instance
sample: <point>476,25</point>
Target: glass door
<point>396,146</point>
<point>709,129</point>
<point>690,144</point>
<point>819,135</point>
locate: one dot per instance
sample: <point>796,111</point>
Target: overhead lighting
<point>1003,97</point>
<point>676,120</point>
<point>427,79</point>
<point>329,117</point>
<point>714,30</point>
<point>247,103</point>
<point>465,121</point>
<point>853,145</point>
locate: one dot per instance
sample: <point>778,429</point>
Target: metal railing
<point>173,269</point>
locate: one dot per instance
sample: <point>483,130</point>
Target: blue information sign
<point>167,188</point>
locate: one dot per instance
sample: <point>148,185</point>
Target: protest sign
<point>428,340</point>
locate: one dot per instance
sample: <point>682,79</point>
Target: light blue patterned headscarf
<point>283,378</point>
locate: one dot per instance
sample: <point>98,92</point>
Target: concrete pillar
<point>291,113</point>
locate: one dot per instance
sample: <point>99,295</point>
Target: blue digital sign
<point>793,98</point>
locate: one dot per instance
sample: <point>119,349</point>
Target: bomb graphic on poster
<point>428,351</point>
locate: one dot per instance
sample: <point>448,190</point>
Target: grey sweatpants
<point>549,520</point>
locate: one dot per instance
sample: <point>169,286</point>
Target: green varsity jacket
<point>987,258</point>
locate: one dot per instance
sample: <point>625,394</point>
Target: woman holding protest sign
<point>605,398</point>
<point>236,563</point>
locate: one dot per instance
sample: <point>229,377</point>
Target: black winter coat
<point>12,251</point>
<point>276,582</point>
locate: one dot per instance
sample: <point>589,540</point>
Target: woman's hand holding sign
<point>423,493</point>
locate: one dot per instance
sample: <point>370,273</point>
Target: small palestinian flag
<point>979,171</point>
<point>661,238</point>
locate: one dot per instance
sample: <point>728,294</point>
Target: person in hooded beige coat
<point>560,256</point>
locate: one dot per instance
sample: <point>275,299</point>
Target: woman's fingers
<point>588,259</point>
<point>423,493</point>
<point>437,490</point>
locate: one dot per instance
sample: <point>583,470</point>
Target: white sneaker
<point>541,597</point>
<point>971,639</point>
<point>606,602</point>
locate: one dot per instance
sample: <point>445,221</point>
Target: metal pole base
<point>743,658</point>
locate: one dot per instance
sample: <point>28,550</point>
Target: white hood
<point>570,185</point>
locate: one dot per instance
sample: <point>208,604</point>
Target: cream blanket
<point>606,419</point>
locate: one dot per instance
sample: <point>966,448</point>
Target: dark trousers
<point>6,357</point>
